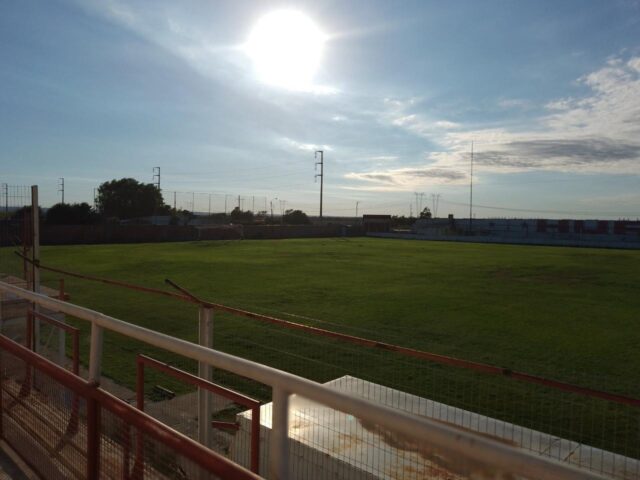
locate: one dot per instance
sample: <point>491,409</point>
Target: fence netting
<point>597,434</point>
<point>46,418</point>
<point>43,420</point>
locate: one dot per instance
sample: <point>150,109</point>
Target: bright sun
<point>286,47</point>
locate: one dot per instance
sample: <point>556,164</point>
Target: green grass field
<point>568,313</point>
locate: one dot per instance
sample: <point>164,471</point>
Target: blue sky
<point>549,92</point>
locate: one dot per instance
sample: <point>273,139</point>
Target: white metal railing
<point>467,445</point>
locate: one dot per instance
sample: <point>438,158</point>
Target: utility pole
<point>156,177</point>
<point>321,175</point>
<point>471,192</point>
<point>410,210</point>
<point>357,209</point>
<point>239,208</point>
<point>95,198</point>
<point>61,188</point>
<point>5,186</point>
<point>174,201</point>
<point>253,204</point>
<point>193,203</point>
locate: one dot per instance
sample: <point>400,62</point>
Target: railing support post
<point>205,338</point>
<point>279,448</point>
<point>95,354</point>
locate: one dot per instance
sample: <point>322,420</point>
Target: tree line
<point>127,199</point>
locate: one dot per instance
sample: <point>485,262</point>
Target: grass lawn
<point>568,313</point>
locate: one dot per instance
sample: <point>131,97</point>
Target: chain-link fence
<point>66,428</point>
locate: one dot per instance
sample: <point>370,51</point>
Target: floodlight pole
<point>321,175</point>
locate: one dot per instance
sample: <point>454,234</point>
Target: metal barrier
<point>254,405</point>
<point>480,453</point>
<point>33,421</point>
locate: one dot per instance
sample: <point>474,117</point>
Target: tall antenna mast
<point>321,175</point>
<point>471,191</point>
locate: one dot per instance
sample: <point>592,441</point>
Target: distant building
<point>376,223</point>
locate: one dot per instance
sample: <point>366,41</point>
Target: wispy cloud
<point>598,133</point>
<point>401,179</point>
<point>307,147</point>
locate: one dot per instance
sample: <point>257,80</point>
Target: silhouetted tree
<point>426,213</point>
<point>238,216</point>
<point>295,217</point>
<point>24,212</point>
<point>71,214</point>
<point>128,198</point>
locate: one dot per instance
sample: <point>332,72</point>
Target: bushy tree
<point>426,213</point>
<point>239,216</point>
<point>128,198</point>
<point>24,212</point>
<point>295,217</point>
<point>71,214</point>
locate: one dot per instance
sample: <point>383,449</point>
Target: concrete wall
<point>92,234</point>
<point>535,231</point>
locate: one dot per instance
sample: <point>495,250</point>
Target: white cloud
<point>400,113</point>
<point>307,147</point>
<point>514,103</point>
<point>599,133</point>
<point>404,179</point>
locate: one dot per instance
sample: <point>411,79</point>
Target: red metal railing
<point>254,405</point>
<point>94,439</point>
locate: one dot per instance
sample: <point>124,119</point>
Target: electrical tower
<point>435,200</point>
<point>61,188</point>
<point>321,175</point>
<point>419,197</point>
<point>156,177</point>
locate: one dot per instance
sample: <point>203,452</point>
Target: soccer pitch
<point>540,309</point>
<point>564,313</point>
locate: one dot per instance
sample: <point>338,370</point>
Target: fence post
<point>205,338</point>
<point>62,337</point>
<point>95,354</point>
<point>279,448</point>
<point>35,259</point>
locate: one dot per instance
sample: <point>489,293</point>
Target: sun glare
<point>286,48</point>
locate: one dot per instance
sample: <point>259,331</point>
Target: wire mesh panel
<point>65,428</point>
<point>598,434</point>
<point>42,420</point>
<point>182,411</point>
<point>15,229</point>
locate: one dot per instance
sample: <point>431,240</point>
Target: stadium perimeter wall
<point>96,234</point>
